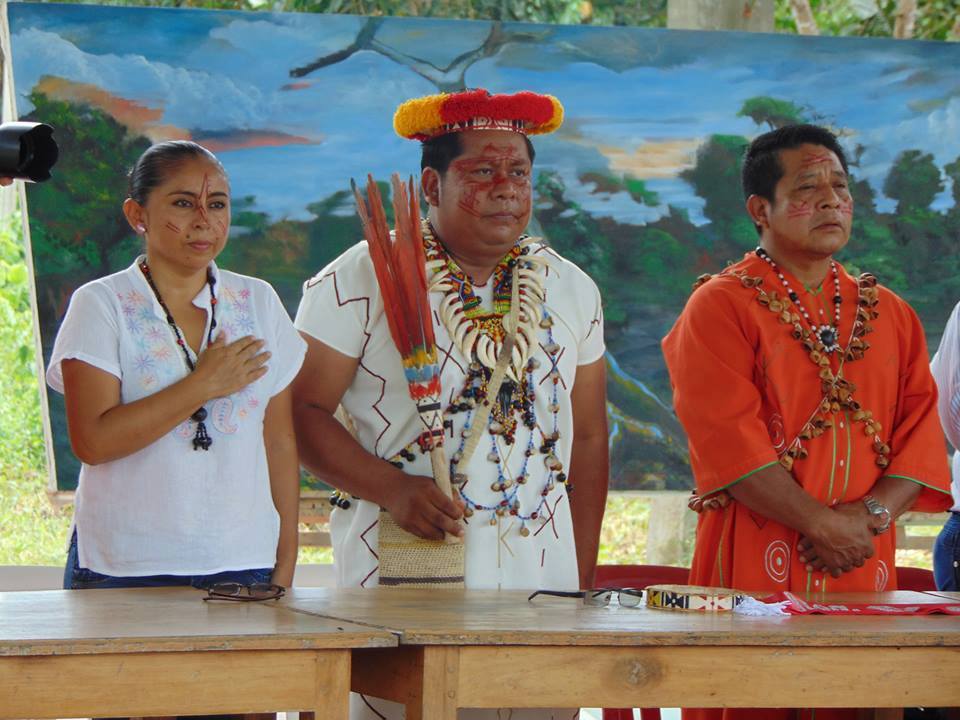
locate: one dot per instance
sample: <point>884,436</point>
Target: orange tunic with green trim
<point>745,389</point>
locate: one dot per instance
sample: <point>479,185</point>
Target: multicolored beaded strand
<point>200,439</point>
<point>829,335</point>
<point>514,405</point>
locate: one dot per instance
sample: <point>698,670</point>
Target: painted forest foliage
<point>644,271</point>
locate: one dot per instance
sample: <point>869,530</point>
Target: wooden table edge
<point>561,638</point>
<point>304,641</point>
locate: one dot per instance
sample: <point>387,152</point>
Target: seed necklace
<point>200,439</point>
<point>828,335</point>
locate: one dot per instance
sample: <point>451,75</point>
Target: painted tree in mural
<point>619,52</point>
<point>447,78</point>
<point>773,112</point>
<point>615,255</point>
<point>716,178</point>
<point>914,181</point>
<point>79,231</point>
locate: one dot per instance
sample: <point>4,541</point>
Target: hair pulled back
<point>158,161</point>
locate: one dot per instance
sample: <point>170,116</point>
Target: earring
<point>141,229</point>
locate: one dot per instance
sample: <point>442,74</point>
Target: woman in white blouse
<point>176,377</point>
<point>945,367</point>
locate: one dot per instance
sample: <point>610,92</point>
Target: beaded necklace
<point>479,336</point>
<point>200,439</point>
<point>482,334</point>
<point>829,335</point>
<point>514,405</point>
<point>502,276</point>
<point>838,393</point>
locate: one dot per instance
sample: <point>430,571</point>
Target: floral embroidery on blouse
<point>157,365</point>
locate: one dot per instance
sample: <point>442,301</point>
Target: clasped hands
<point>840,540</point>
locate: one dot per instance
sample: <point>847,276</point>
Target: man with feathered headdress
<point>531,496</point>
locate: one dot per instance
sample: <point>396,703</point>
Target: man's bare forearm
<point>896,494</point>
<point>773,493</point>
<point>329,451</point>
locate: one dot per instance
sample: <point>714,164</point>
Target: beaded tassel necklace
<point>201,438</point>
<point>829,335</point>
<point>501,278</point>
<point>514,406</point>
<point>481,334</point>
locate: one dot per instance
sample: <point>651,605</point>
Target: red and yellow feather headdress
<point>524,112</point>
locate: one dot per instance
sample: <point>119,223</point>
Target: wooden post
<point>751,15</point>
<point>803,16</point>
<point>668,529</point>
<point>906,19</point>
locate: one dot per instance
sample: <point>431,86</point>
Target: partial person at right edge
<point>945,367</point>
<point>806,396</point>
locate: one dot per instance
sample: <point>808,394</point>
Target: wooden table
<point>102,653</point>
<point>488,649</point>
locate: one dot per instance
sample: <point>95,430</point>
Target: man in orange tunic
<point>806,395</point>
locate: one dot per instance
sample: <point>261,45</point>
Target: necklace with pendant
<point>201,439</point>
<point>828,335</point>
<point>480,334</point>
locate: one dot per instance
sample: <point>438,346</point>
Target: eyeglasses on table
<point>598,597</point>
<point>237,592</point>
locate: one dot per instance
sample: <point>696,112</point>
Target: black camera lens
<point>27,151</point>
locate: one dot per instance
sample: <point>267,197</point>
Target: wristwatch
<point>878,509</point>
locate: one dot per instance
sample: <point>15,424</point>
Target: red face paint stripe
<point>202,200</point>
<point>816,159</point>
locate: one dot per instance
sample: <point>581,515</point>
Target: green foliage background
<point>32,531</point>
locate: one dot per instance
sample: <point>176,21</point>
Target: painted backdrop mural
<point>639,186</point>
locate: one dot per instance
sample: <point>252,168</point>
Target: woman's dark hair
<point>159,160</point>
<point>440,151</point>
<point>761,163</point>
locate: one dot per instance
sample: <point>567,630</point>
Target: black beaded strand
<point>201,438</point>
<point>828,335</point>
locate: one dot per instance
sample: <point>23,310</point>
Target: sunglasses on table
<point>599,597</point>
<point>245,593</point>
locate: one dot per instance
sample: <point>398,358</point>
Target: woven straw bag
<point>406,559</point>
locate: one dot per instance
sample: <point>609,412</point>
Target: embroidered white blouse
<point>945,368</point>
<point>170,509</point>
<point>342,308</point>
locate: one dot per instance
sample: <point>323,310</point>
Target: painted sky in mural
<point>636,101</point>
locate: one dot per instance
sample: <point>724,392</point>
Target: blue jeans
<point>78,578</point>
<point>946,555</point>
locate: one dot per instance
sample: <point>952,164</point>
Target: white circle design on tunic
<point>776,560</point>
<point>883,576</point>
<point>775,428</point>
